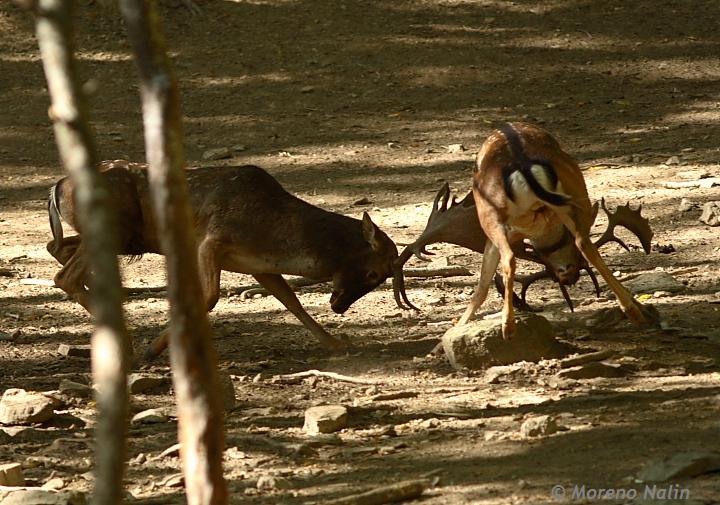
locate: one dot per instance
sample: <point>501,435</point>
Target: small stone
<point>270,482</point>
<point>325,419</point>
<point>307,89</point>
<point>17,406</point>
<point>495,374</point>
<point>593,371</point>
<point>75,389</point>
<point>150,416</point>
<point>538,426</point>
<point>456,148</point>
<point>141,382</point>
<point>238,148</point>
<point>11,474</point>
<point>672,160</point>
<point>362,201</point>
<point>586,358</point>
<point>76,351</point>
<point>711,214</point>
<point>54,484</point>
<point>686,205</point>
<point>227,390</point>
<point>680,465</point>
<point>220,153</point>
<point>650,282</point>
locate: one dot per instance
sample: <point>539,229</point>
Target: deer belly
<point>247,263</point>
<point>537,223</point>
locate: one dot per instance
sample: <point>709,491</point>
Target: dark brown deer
<point>456,222</point>
<point>525,187</point>
<point>245,222</point>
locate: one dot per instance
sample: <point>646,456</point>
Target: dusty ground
<point>343,100</point>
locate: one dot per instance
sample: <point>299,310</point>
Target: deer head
<point>368,269</point>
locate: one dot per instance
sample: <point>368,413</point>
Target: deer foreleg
<point>209,272</point>
<point>279,288</point>
<point>634,310</point>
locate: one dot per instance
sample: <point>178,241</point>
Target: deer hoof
<point>508,330</point>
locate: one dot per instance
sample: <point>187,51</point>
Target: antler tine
<point>566,295</point>
<point>630,219</point>
<point>517,302</point>
<point>593,278</point>
<point>444,195</point>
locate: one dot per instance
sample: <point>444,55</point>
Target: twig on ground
<point>393,493</point>
<point>329,375</point>
<point>699,183</point>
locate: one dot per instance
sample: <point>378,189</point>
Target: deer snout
<point>567,274</point>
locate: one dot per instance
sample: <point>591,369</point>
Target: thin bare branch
<point>191,352</point>
<point>77,150</point>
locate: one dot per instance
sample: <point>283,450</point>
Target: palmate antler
<point>624,216</point>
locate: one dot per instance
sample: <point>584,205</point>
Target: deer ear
<point>370,232</point>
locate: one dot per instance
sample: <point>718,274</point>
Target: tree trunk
<point>110,342</point>
<point>191,353</point>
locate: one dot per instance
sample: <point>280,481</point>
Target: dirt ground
<point>343,100</point>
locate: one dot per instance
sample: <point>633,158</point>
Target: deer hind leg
<point>491,258</point>
<point>209,272</point>
<point>634,310</point>
<point>280,289</point>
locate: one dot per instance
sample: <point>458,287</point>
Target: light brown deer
<point>245,222</point>
<point>526,187</point>
<point>456,222</point>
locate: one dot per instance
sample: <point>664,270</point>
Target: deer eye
<point>372,276</point>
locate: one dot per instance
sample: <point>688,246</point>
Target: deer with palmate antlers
<point>245,222</point>
<point>456,222</point>
<point>525,187</point>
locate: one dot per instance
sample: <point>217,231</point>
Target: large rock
<point>11,475</point>
<point>325,419</point>
<point>711,214</point>
<point>681,465</point>
<point>651,282</point>
<point>17,406</point>
<point>37,496</point>
<point>479,344</point>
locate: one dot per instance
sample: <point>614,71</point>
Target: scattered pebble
<point>142,382</point>
<point>18,406</point>
<point>325,419</point>
<point>456,148</point>
<point>77,351</point>
<point>220,153</point>
<point>711,214</point>
<point>593,370</point>
<point>150,416</point>
<point>538,426</point>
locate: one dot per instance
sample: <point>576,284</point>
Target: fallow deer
<point>526,187</point>
<point>456,222</point>
<point>245,222</point>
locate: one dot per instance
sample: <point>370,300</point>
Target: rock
<point>672,160</point>
<point>17,406</point>
<point>479,344</point>
<point>220,153</point>
<point>238,148</point>
<point>227,389</point>
<point>325,419</point>
<point>75,389</point>
<point>11,475</point>
<point>593,370</point>
<point>363,201</point>
<point>680,465</point>
<point>37,496</point>
<point>456,148</point>
<point>693,175</point>
<point>141,382</point>
<point>77,351</point>
<point>270,482</point>
<point>538,426</point>
<point>494,374</point>
<point>54,484</point>
<point>150,416</point>
<point>650,282</point>
<point>711,214</point>
<point>686,205</point>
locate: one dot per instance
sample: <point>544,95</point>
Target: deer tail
<point>55,216</point>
